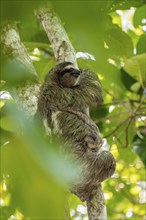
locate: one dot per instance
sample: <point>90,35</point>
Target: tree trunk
<point>96,205</point>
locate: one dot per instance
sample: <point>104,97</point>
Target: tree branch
<point>25,96</point>
<point>62,47</point>
<point>130,118</point>
<point>14,49</point>
<point>96,205</point>
<point>116,128</point>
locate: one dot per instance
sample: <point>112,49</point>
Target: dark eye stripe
<point>63,72</point>
<point>66,71</point>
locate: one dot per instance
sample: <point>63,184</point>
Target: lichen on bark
<point>62,47</point>
<point>25,95</point>
<point>13,47</point>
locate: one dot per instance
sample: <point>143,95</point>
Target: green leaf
<point>119,42</point>
<point>37,170</point>
<point>7,123</point>
<point>14,72</point>
<point>140,14</point>
<point>127,80</point>
<point>5,136</point>
<point>127,155</point>
<point>32,189</point>
<point>139,147</point>
<point>135,67</point>
<point>125,4</point>
<point>141,45</point>
<point>99,112</point>
<point>136,87</point>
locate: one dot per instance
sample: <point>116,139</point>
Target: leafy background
<point>33,178</point>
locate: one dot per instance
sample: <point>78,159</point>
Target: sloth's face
<point>69,76</point>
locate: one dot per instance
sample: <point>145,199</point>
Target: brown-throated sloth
<point>63,103</point>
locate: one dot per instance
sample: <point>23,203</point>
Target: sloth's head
<point>67,75</point>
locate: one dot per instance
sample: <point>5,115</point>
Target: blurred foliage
<point>32,185</point>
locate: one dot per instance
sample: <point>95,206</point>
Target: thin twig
<point>130,121</point>
<point>118,139</point>
<point>117,127</point>
<point>111,117</point>
<point>105,90</point>
<point>120,102</point>
<point>130,118</point>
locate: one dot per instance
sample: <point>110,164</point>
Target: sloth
<point>63,105</point>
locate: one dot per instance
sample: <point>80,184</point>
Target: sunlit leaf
<point>119,42</point>
<point>141,45</point>
<point>136,87</point>
<point>139,15</point>
<point>125,4</point>
<point>135,67</point>
<point>139,147</point>
<point>127,79</point>
<point>135,190</point>
<point>16,72</point>
<point>32,189</point>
